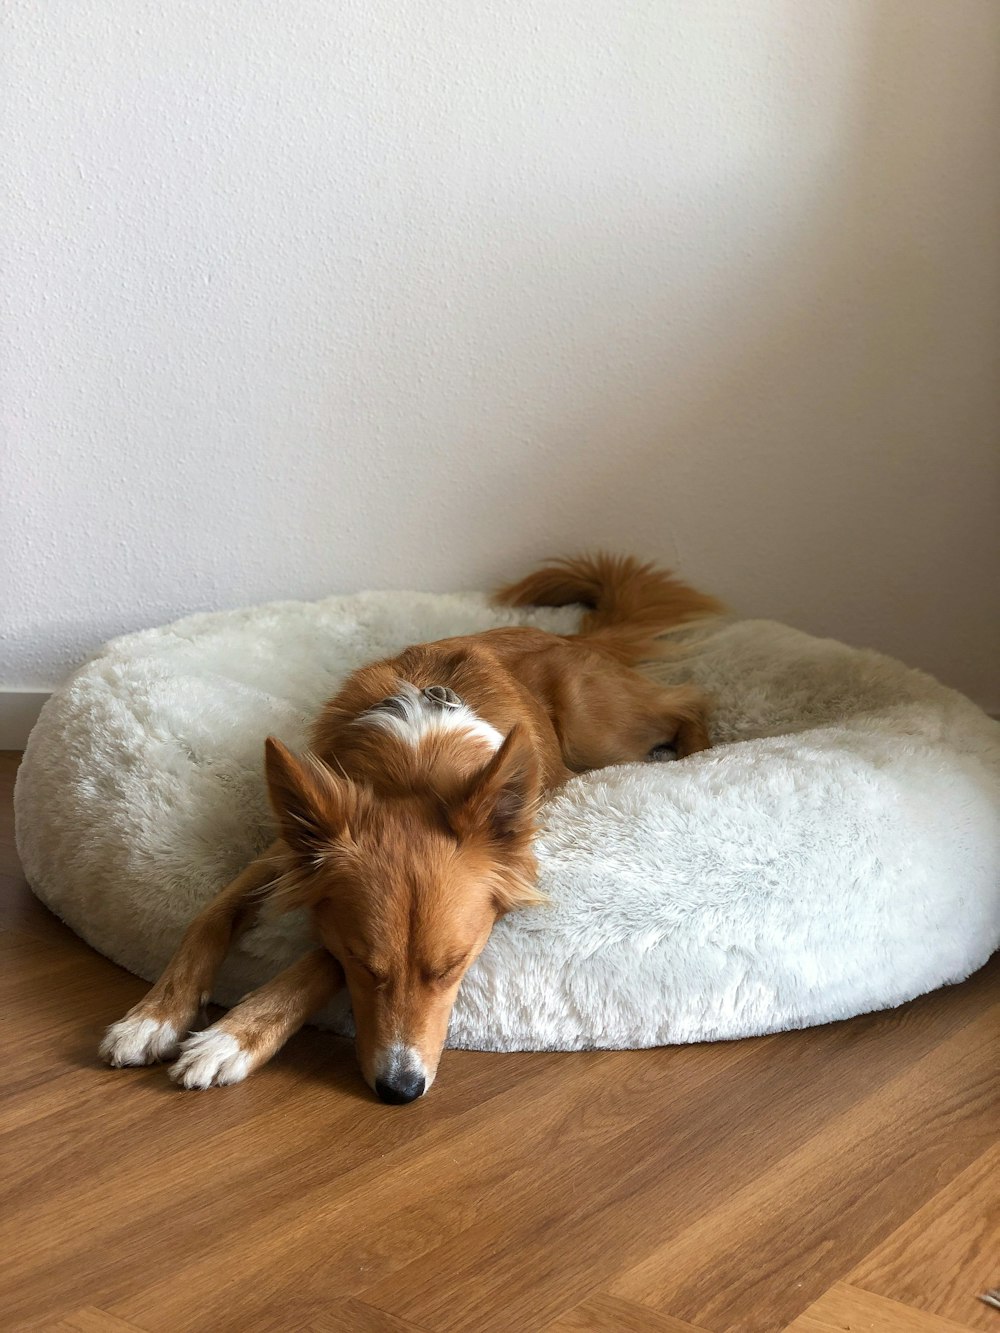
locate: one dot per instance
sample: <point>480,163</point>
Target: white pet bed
<point>837,852</point>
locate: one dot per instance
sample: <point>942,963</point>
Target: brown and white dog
<point>407,828</point>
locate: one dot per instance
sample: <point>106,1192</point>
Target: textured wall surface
<point>320,296</point>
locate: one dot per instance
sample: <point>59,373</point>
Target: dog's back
<point>573,695</point>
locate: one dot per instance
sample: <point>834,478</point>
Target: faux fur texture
<point>837,852</point>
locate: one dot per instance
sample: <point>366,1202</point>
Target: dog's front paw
<point>139,1040</point>
<point>210,1058</point>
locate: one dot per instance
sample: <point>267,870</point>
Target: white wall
<point>340,293</point>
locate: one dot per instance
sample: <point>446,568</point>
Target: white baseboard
<point>19,711</point>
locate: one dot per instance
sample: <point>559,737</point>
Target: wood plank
<point>303,1315</point>
<point>419,1193</point>
<point>256,1142</point>
<point>92,1320</point>
<point>275,1150</point>
<point>356,1317</point>
<point>568,1221</point>
<point>527,1190</point>
<point>602,1313</point>
<point>846,1309</point>
<point>947,1252</point>
<point>783,1238</point>
<point>21,910</point>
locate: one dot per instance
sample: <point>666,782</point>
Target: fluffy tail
<point>630,603</point>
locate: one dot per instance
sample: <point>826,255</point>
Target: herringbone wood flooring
<point>843,1178</point>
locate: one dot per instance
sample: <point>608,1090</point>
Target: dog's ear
<point>502,798</point>
<point>313,804</point>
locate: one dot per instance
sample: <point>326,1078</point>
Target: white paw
<point>210,1057</point>
<point>139,1041</point>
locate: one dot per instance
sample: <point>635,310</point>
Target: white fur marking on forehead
<point>411,718</point>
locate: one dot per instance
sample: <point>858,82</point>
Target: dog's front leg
<point>154,1028</point>
<point>259,1025</point>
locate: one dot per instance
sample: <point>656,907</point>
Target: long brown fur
<point>629,603</point>
<point>406,848</point>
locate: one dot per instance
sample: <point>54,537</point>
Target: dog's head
<point>405,888</point>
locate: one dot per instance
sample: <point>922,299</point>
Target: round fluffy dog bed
<point>837,852</point>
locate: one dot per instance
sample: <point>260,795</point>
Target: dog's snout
<point>403,1089</point>
<point>400,1075</point>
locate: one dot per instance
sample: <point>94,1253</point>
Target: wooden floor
<point>844,1178</point>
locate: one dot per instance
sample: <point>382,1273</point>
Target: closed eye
<point>379,978</point>
<point>446,973</point>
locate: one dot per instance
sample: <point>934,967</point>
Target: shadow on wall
<point>819,424</point>
<point>361,296</point>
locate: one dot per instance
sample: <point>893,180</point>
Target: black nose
<point>406,1088</point>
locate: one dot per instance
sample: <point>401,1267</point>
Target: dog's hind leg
<point>154,1028</point>
<point>622,717</point>
<point>688,718</point>
<point>678,718</point>
<point>259,1025</point>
